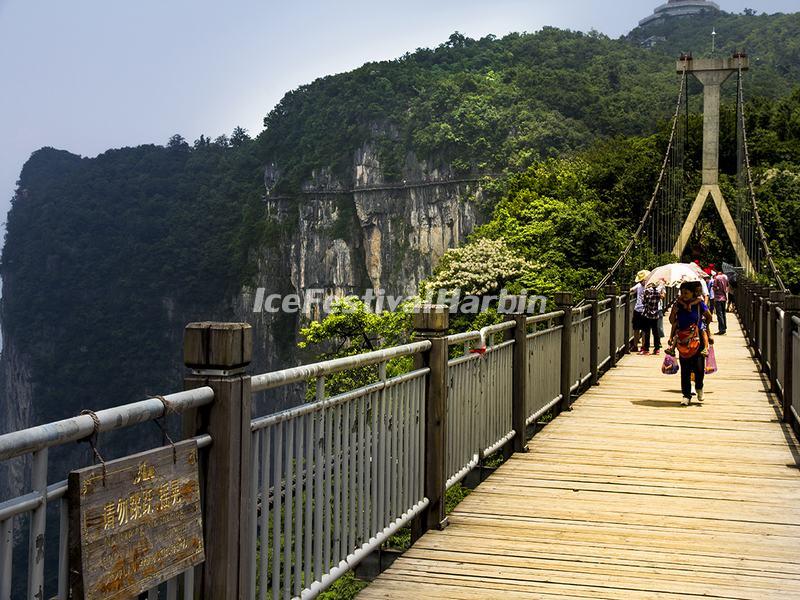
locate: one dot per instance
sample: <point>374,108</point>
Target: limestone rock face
<point>340,238</point>
<point>14,415</point>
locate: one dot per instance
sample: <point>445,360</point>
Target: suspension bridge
<point>609,489</point>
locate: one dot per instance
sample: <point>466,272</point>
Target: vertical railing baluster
<point>63,550</point>
<point>277,498</point>
<point>381,462</point>
<point>395,429</point>
<point>172,589</point>
<point>299,466</point>
<point>403,448</point>
<point>6,556</point>
<point>363,484</point>
<point>564,302</point>
<point>319,495</point>
<point>288,468</point>
<point>264,567</point>
<point>327,519</point>
<point>308,520</point>
<point>188,584</point>
<point>344,506</point>
<point>374,503</point>
<point>352,449</point>
<point>254,469</point>
<point>38,517</point>
<point>337,485</point>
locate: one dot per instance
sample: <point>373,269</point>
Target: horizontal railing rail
<point>299,374</point>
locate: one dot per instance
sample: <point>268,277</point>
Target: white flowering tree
<point>482,266</point>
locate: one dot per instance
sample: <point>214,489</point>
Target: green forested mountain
<point>104,256</point>
<point>771,41</point>
<point>493,103</point>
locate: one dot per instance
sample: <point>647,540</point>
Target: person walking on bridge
<point>691,337</point>
<point>638,308</point>
<point>652,306</point>
<point>721,287</point>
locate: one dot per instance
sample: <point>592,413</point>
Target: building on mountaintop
<point>680,8</point>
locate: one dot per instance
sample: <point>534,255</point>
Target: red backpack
<point>689,339</point>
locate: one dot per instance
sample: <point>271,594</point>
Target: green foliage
<point>550,216</point>
<point>454,496</point>
<point>346,587</point>
<point>353,328</point>
<point>100,254</point>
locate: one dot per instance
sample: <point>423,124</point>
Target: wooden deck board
<point>630,495</point>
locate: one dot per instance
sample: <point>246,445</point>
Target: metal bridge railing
<point>581,371</point>
<point>335,478</point>
<point>544,365</point>
<point>30,510</point>
<point>478,398</point>
<point>770,319</point>
<point>298,498</point>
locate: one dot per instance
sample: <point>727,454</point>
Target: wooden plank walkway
<point>630,495</point>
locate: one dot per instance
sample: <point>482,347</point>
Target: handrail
<point>545,317</point>
<point>480,334</point>
<point>21,442</point>
<point>311,407</point>
<point>267,381</point>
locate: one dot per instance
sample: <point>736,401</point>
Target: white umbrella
<point>675,274</point>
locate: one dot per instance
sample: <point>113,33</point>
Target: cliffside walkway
<point>630,495</point>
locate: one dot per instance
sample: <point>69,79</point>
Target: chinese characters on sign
<point>135,526</point>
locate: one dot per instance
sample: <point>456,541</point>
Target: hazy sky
<point>87,75</point>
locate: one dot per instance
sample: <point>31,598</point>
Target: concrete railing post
<point>612,293</point>
<point>564,302</point>
<point>430,322</point>
<point>593,297</point>
<point>791,308</point>
<point>218,354</point>
<point>519,414</point>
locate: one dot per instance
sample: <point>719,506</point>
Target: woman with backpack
<point>691,336</point>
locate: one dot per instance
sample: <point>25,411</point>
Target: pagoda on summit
<point>680,8</point>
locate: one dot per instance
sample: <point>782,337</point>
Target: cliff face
<point>333,240</point>
<point>15,409</point>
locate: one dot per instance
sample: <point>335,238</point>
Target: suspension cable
<point>753,204</point>
<point>654,198</point>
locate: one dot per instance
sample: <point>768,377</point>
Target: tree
<point>239,136</point>
<point>352,328</point>
<point>177,141</point>
<point>222,141</point>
